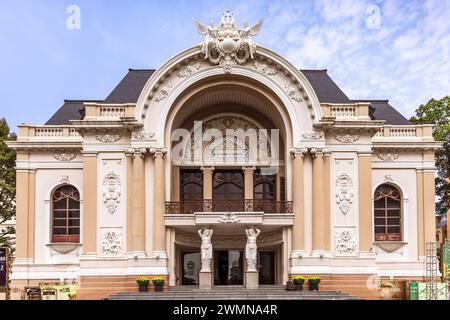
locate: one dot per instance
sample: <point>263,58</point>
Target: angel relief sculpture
<point>226,44</point>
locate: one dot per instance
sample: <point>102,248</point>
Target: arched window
<point>66,214</point>
<point>388,213</point>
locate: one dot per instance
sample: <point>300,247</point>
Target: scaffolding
<point>436,286</point>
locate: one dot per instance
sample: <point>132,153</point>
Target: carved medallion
<point>347,138</point>
<point>228,217</point>
<point>189,70</point>
<point>111,243</point>
<point>227,45</point>
<point>107,138</point>
<point>344,192</point>
<point>264,68</point>
<point>388,156</point>
<point>111,191</point>
<point>292,91</point>
<point>164,91</point>
<point>345,243</point>
<point>64,156</point>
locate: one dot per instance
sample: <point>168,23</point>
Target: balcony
<point>265,206</point>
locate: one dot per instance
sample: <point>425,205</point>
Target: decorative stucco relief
<point>313,135</point>
<point>142,135</point>
<point>388,156</point>
<point>345,242</point>
<point>111,243</point>
<point>347,138</point>
<point>344,192</point>
<point>64,179</point>
<point>292,91</point>
<point>108,138</point>
<point>64,156</point>
<point>164,91</point>
<point>189,70</point>
<point>264,68</point>
<point>228,45</point>
<point>111,191</point>
<point>228,217</point>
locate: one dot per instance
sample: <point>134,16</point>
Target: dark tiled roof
<point>129,89</point>
<point>70,110</point>
<point>326,89</point>
<point>382,110</point>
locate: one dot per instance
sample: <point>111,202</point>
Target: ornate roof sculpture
<point>227,44</point>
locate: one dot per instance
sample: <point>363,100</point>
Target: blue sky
<point>396,50</point>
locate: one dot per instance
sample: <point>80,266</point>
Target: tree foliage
<point>437,112</point>
<point>7,182</point>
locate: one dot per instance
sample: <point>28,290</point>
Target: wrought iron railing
<point>191,206</point>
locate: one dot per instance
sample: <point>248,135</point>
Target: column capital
<point>136,152</point>
<point>158,152</point>
<point>250,169</point>
<point>207,169</point>
<point>296,152</point>
<point>316,152</point>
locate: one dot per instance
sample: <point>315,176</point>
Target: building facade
<point>150,182</point>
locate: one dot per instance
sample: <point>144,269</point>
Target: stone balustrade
<point>108,112</point>
<point>48,132</point>
<point>349,111</point>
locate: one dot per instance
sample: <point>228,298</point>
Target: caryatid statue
<point>206,248</point>
<point>251,249</point>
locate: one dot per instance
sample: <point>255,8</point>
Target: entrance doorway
<point>266,266</point>
<point>228,267</point>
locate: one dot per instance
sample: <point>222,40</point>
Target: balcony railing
<point>266,206</point>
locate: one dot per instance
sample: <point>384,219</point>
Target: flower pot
<point>313,286</point>
<point>143,287</point>
<point>299,287</point>
<point>159,288</point>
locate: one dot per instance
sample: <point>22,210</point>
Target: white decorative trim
<point>64,156</point>
<point>345,243</point>
<point>189,70</point>
<point>388,178</point>
<point>111,191</point>
<point>164,91</point>
<point>388,156</point>
<point>292,91</point>
<point>347,138</point>
<point>111,243</point>
<point>107,138</point>
<point>344,192</point>
<point>228,217</point>
<point>64,179</point>
<point>390,246</point>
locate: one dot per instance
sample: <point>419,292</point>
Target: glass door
<point>191,265</point>
<point>266,266</point>
<point>228,267</point>
<point>228,190</point>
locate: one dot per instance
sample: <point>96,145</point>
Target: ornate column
<point>207,187</point>
<point>138,205</point>
<point>298,201</point>
<point>90,203</point>
<point>327,198</point>
<point>129,193</point>
<point>318,202</point>
<point>248,187</point>
<point>22,198</point>
<point>159,201</point>
<point>365,201</point>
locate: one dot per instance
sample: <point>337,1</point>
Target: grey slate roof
<point>130,87</point>
<point>382,110</point>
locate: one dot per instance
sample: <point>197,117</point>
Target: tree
<point>437,112</point>
<point>7,183</point>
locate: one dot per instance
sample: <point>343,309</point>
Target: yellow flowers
<point>314,279</point>
<point>158,281</point>
<point>142,281</point>
<point>299,280</point>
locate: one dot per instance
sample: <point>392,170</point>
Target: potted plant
<point>313,283</point>
<point>298,282</point>
<point>158,282</point>
<point>143,283</point>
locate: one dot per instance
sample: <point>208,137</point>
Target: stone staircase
<point>233,293</point>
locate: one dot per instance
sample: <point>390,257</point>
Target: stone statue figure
<point>251,249</point>
<point>206,248</point>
